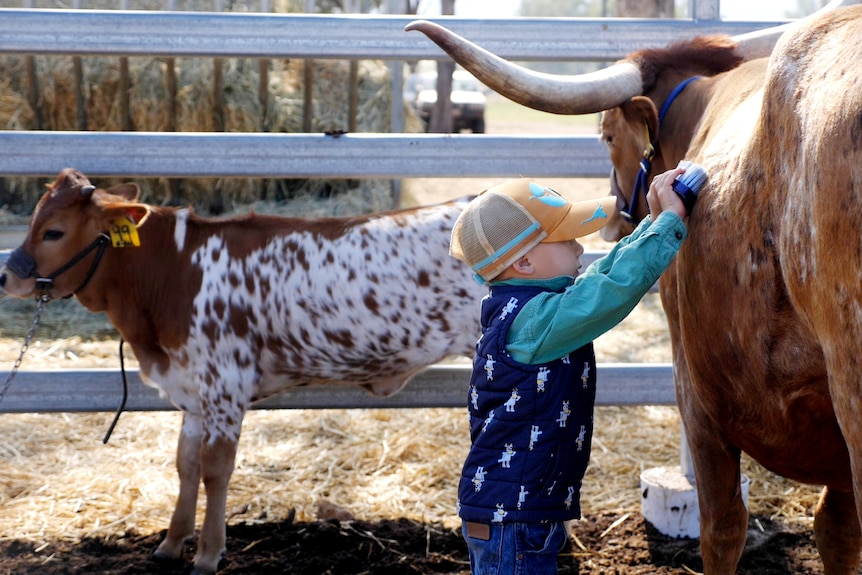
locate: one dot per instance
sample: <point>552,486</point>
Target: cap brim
<point>583,218</point>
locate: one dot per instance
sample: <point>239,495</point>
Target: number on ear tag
<point>124,233</point>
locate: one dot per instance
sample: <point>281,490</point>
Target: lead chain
<point>42,300</point>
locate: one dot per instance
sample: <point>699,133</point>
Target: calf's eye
<point>52,235</point>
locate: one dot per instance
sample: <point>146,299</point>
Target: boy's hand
<point>661,196</point>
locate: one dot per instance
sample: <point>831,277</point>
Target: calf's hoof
<point>164,562</point>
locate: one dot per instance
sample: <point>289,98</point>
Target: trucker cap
<point>506,221</point>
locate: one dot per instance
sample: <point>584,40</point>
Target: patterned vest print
<point>530,425</point>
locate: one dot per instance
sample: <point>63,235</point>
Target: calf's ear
<point>137,212</point>
<point>129,191</point>
<point>115,210</point>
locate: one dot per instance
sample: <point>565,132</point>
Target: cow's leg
<point>723,516</point>
<point>189,468</point>
<point>836,528</point>
<point>837,532</point>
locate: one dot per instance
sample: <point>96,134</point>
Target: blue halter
<point>641,187</point>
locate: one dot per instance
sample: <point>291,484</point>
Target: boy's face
<point>553,259</point>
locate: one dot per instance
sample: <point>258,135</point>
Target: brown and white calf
<point>222,313</point>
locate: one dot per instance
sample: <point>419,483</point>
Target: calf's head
<point>69,231</point>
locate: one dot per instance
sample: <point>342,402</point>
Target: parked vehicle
<point>467,97</point>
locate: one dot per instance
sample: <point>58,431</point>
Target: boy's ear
<point>523,266</point>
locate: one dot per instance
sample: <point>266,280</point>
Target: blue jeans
<point>515,548</point>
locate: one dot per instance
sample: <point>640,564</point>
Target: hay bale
<point>243,112</point>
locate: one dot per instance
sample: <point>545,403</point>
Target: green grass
<point>61,319</point>
<point>500,109</point>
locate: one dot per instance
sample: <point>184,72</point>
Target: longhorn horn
<point>88,190</point>
<point>579,94</point>
<point>573,94</point>
<point>759,44</point>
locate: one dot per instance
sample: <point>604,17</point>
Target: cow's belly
<point>791,432</point>
<point>758,375</point>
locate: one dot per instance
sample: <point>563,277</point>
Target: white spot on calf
<point>180,226</point>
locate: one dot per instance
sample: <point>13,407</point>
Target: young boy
<point>532,390</point>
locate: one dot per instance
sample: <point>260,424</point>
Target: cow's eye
<point>609,141</point>
<point>52,235</point>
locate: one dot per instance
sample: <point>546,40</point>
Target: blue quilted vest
<point>530,425</point>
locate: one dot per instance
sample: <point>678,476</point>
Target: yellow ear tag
<point>124,233</point>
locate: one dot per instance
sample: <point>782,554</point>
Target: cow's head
<point>69,232</point>
<point>628,131</point>
<point>630,94</point>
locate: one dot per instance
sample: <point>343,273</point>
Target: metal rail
<point>438,386</point>
<point>131,154</point>
<point>343,36</point>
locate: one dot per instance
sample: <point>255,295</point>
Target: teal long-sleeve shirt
<point>574,313</point>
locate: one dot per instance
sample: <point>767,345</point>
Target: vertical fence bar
<point>396,74</point>
<point>173,197</point>
<point>263,95</point>
<point>263,81</point>
<point>308,81</point>
<point>706,9</point>
<point>353,88</point>
<point>33,95</point>
<point>78,75</point>
<point>125,86</point>
<point>218,84</point>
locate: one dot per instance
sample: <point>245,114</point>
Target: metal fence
<point>394,155</point>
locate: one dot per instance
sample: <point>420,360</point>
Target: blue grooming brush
<point>687,185</point>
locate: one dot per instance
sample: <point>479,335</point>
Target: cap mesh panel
<point>501,220</point>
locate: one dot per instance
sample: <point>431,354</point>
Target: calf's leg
<point>189,469</point>
<point>217,464</point>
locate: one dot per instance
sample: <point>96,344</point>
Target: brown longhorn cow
<point>764,301</point>
<point>222,313</point>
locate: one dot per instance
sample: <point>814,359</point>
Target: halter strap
<point>641,187</point>
<point>23,265</point>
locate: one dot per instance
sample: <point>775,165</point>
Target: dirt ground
<point>399,546</point>
<point>610,539</point>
